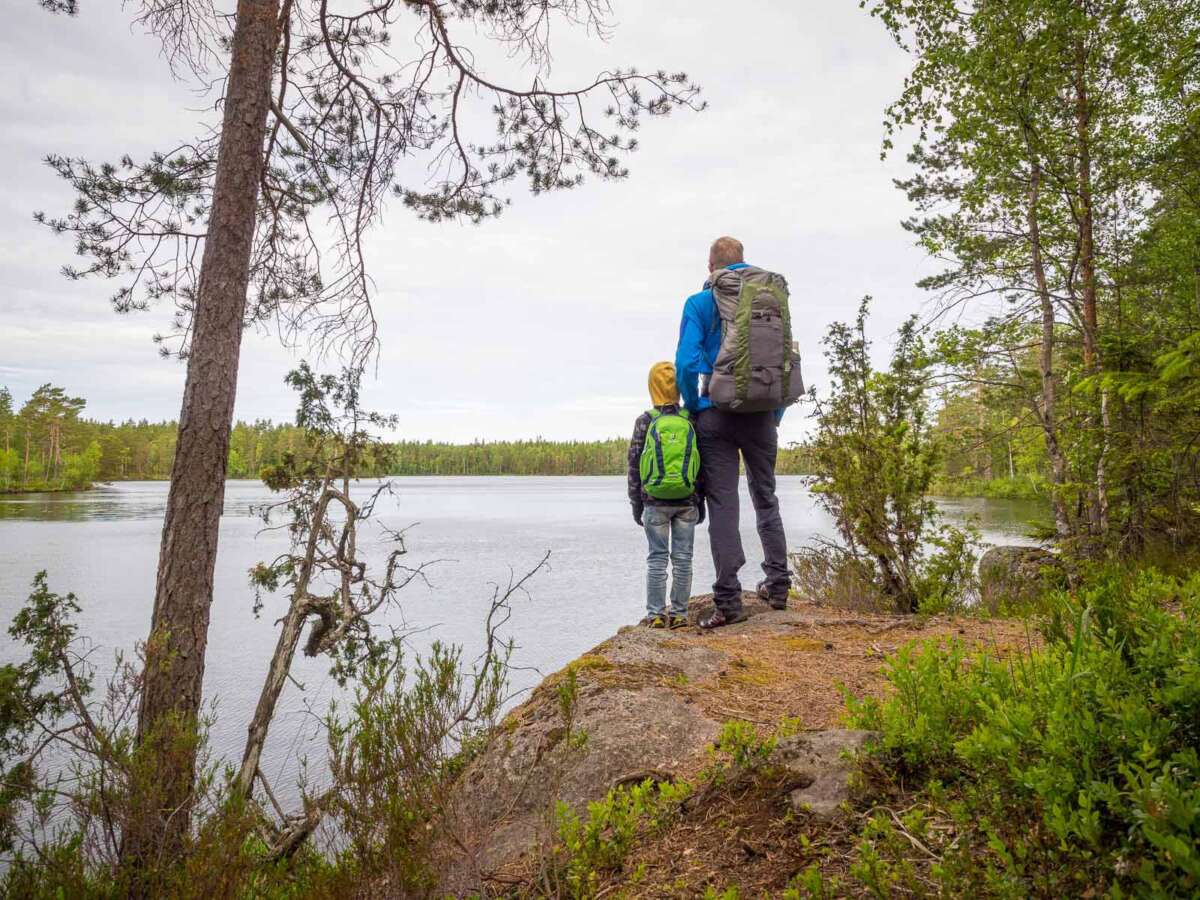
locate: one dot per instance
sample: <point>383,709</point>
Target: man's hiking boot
<point>776,600</point>
<point>674,622</point>
<point>654,621</point>
<point>718,619</point>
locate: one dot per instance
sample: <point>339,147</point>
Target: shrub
<point>740,748</point>
<point>394,760</point>
<point>874,457</point>
<point>592,848</point>
<point>598,843</point>
<point>1072,765</point>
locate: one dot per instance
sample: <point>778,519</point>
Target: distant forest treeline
<point>46,444</point>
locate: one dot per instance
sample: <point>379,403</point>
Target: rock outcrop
<point>650,703</point>
<point>1015,575</point>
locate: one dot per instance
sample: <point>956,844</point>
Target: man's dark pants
<point>723,436</point>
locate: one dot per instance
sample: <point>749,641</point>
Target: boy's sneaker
<point>674,622</point>
<point>654,622</point>
<point>776,601</point>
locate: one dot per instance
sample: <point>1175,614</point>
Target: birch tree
<point>1036,138</point>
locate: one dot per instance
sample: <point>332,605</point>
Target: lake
<point>103,546</point>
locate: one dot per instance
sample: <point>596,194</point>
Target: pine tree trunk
<point>179,628</point>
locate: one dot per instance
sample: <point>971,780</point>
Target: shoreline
<point>938,495</point>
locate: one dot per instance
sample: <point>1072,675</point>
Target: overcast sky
<point>545,321</point>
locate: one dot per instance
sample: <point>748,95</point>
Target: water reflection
<point>103,502</point>
<point>103,546</point>
<point>999,519</point>
<point>122,501</point>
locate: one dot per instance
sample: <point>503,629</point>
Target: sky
<point>543,322</point>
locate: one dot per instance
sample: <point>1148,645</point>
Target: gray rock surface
<point>822,762</point>
<point>651,703</point>
<point>636,716</point>
<point>1011,575</point>
<point>629,724</point>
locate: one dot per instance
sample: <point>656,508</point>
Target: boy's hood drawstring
<point>663,389</point>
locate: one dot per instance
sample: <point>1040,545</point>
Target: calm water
<point>103,546</point>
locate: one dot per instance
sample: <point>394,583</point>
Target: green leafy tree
<point>875,457</point>
<point>1041,126</point>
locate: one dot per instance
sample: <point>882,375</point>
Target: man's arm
<point>690,363</point>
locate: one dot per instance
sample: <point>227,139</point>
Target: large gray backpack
<point>758,366</point>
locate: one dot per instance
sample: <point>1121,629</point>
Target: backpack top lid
<point>681,411</point>
<point>727,286</point>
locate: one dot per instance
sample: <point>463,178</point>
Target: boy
<point>664,468</point>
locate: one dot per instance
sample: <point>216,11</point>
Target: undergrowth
<point>592,849</point>
<point>1070,769</point>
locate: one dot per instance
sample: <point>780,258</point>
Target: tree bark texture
<point>1087,270</point>
<point>1048,412</point>
<point>179,628</point>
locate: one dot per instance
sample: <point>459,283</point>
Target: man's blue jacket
<point>699,344</point>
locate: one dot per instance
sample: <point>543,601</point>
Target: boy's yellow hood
<point>663,389</point>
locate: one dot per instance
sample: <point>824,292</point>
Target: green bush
<point>598,843</point>
<point>874,457</point>
<point>1071,765</point>
<point>591,848</point>
<point>740,743</point>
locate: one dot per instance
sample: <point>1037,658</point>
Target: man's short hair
<point>725,252</point>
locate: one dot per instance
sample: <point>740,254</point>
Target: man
<point>723,436</point>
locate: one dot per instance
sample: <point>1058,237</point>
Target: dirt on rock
<point>650,703</point>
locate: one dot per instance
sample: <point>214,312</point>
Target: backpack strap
<point>658,452</point>
<point>687,454</point>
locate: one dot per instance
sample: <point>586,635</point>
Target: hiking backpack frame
<point>758,366</point>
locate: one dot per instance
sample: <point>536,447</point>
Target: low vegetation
<point>1071,769</point>
<point>1067,769</point>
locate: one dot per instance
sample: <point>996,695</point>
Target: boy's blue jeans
<point>670,531</point>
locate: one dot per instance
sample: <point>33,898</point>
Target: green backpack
<point>670,460</point>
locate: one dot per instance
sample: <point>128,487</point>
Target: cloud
<point>544,321</point>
